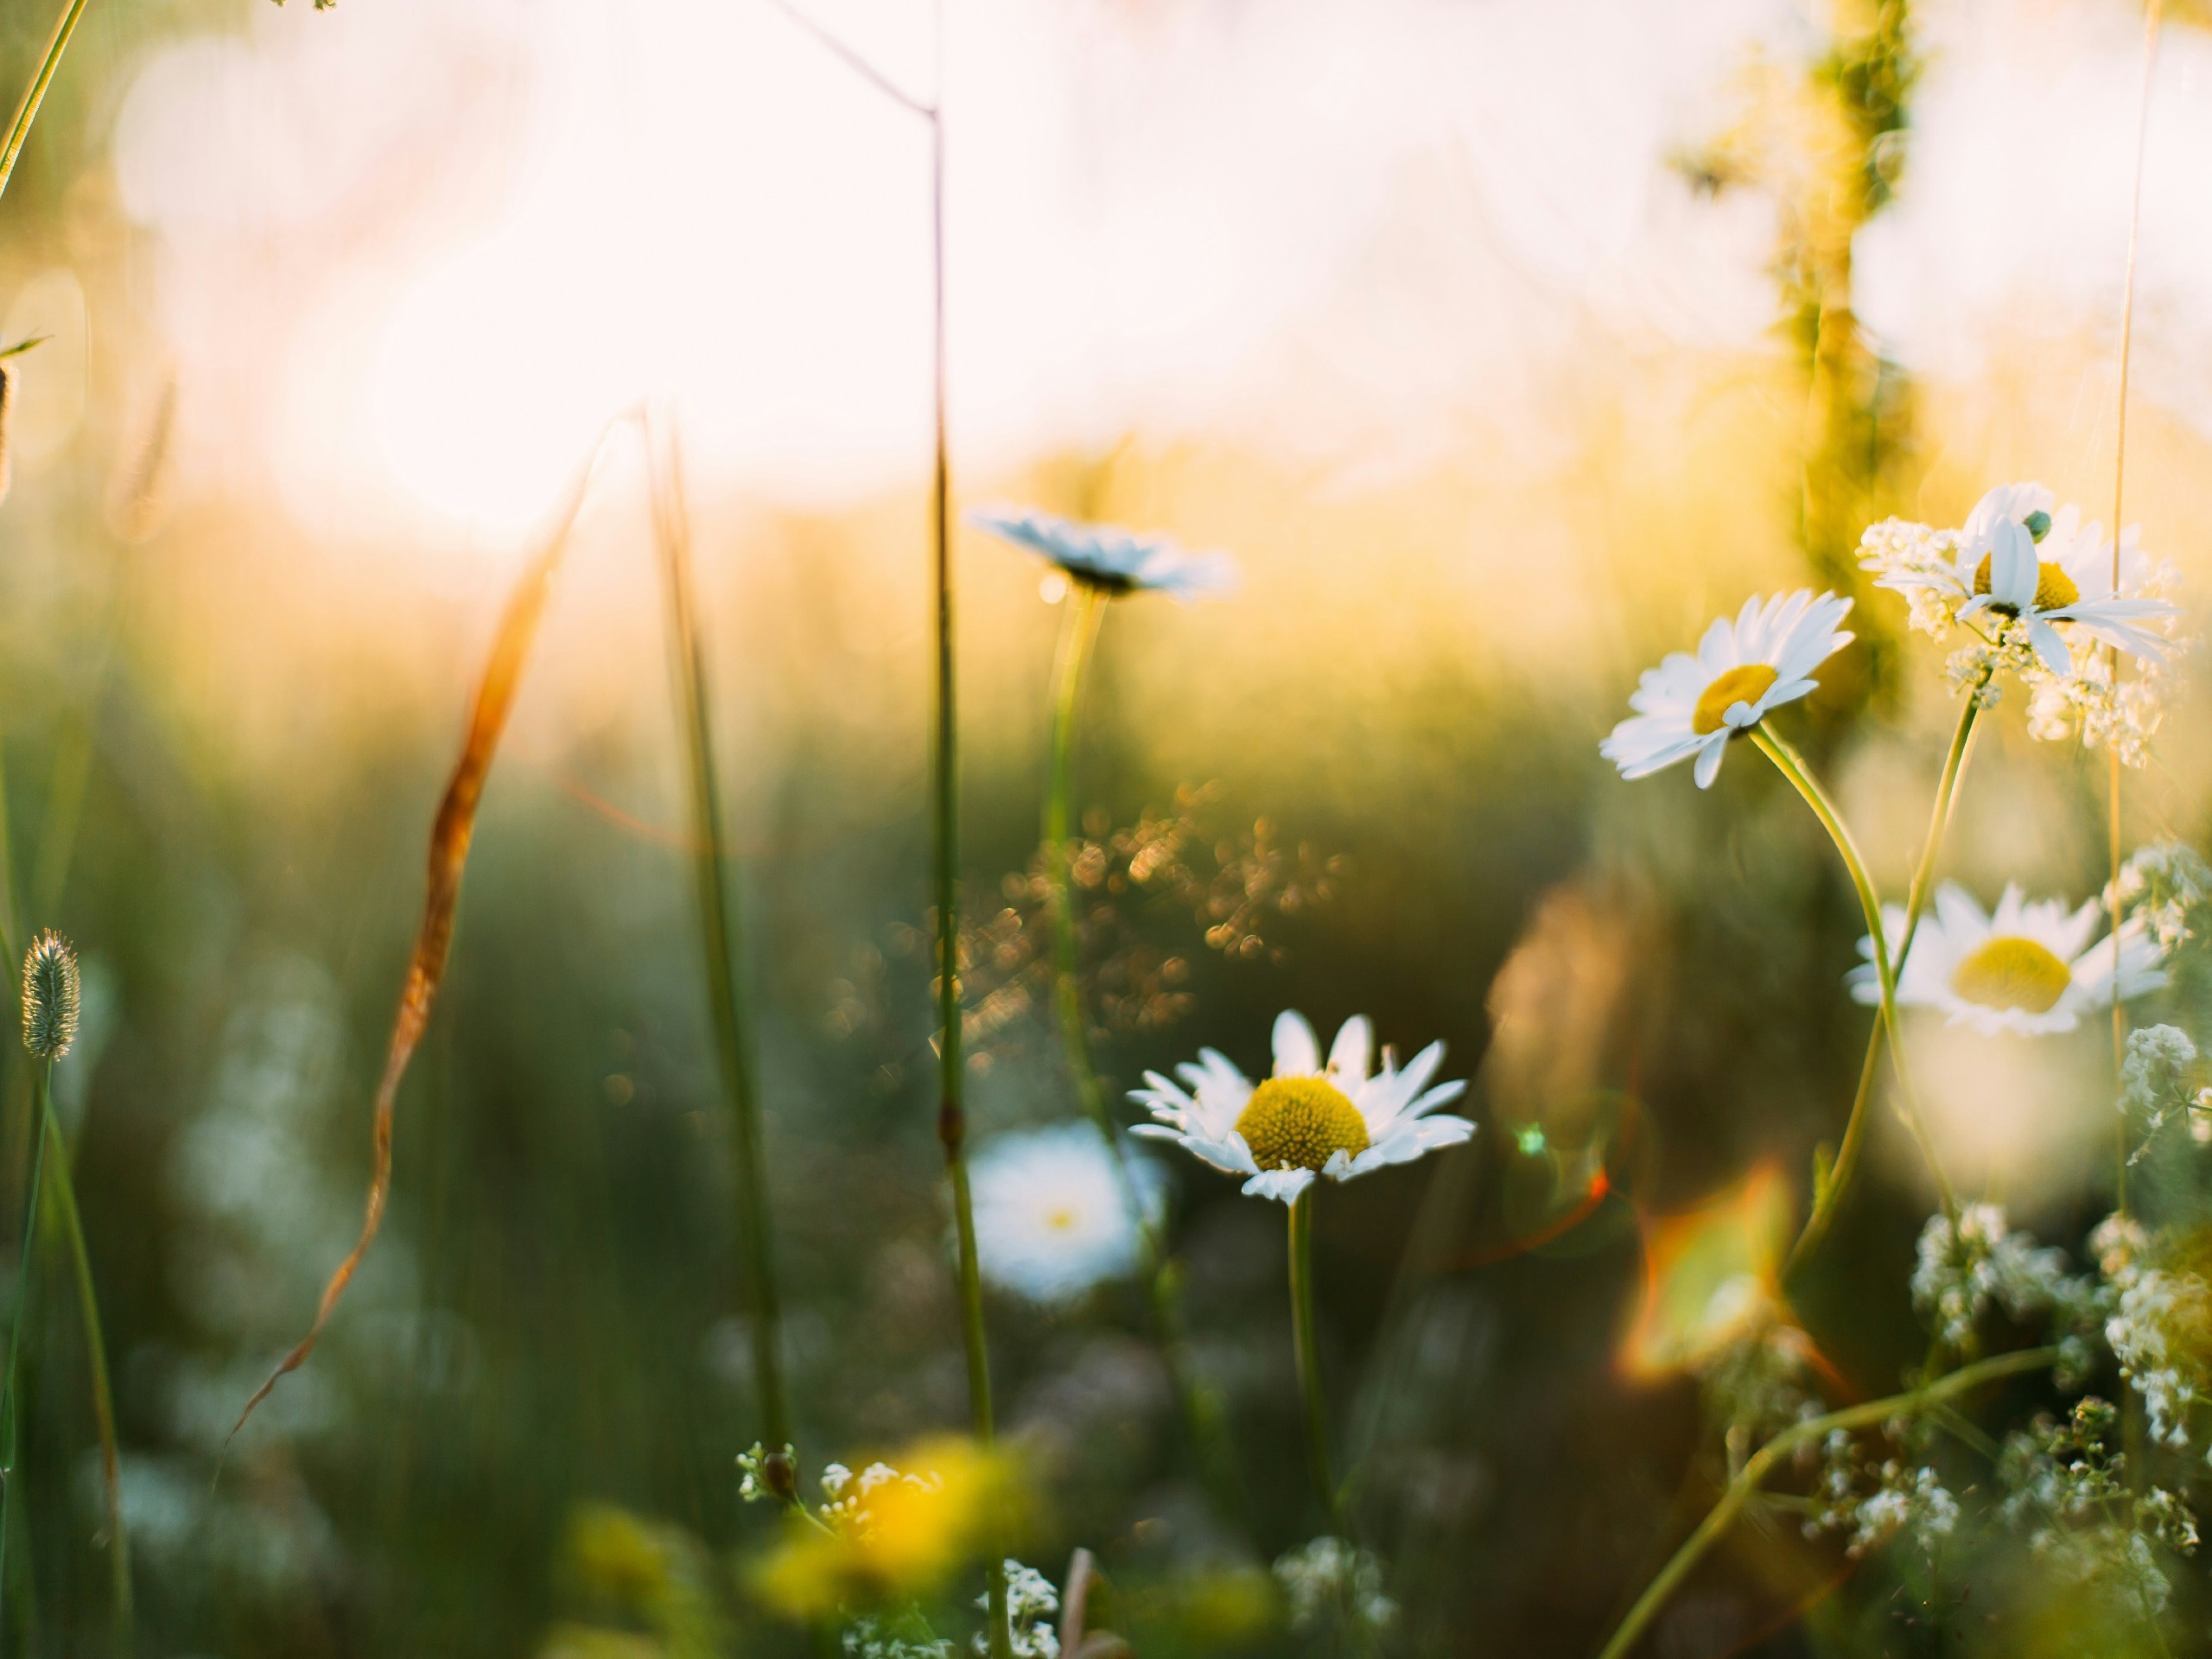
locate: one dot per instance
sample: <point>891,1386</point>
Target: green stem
<point>718,938</point>
<point>1811,1431</point>
<point>1309,1353</point>
<point>10,1389</point>
<point>1787,763</point>
<point>953,1112</point>
<point>1201,1411</point>
<point>35,95</point>
<point>58,1178</point>
<point>1838,1177</point>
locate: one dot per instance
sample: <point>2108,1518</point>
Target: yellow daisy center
<point>2012,973</point>
<point>1061,1218</point>
<point>1746,684</point>
<point>2054,588</point>
<point>1297,1122</point>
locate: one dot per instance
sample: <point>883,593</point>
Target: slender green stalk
<point>66,1217</point>
<point>720,935</point>
<point>1358,1635</point>
<point>2153,16</point>
<point>1309,1352</point>
<point>18,129</point>
<point>944,802</point>
<point>1203,1419</point>
<point>1787,763</point>
<point>1811,1431</point>
<point>953,1112</point>
<point>11,1390</point>
<point>1085,611</point>
<point>1838,1177</point>
<point>59,1176</point>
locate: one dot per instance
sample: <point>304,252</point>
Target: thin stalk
<point>18,129</point>
<point>1787,763</point>
<point>1309,1353</point>
<point>953,1112</point>
<point>1762,1462</point>
<point>2153,15</point>
<point>944,801</point>
<point>1078,632</point>
<point>2131,1426</point>
<point>720,934</point>
<point>10,1389</point>
<point>64,1185</point>
<point>1084,615</point>
<point>66,1217</point>
<point>1357,1636</point>
<point>1829,1196</point>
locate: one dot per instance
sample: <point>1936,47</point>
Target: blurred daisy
<point>1050,1220</point>
<point>1308,1119</point>
<point>1109,558</point>
<point>1692,705</point>
<point>2029,968</point>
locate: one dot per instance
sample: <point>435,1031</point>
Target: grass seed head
<point>7,409</point>
<point>52,993</point>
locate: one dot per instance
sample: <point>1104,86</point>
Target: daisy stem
<point>1830,1195</point>
<point>1084,614</point>
<point>1791,767</point>
<point>42,1077</point>
<point>18,129</point>
<point>719,934</point>
<point>1304,1336</point>
<point>1762,1463</point>
<point>1309,1353</point>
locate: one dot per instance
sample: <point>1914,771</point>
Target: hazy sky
<point>412,254</point>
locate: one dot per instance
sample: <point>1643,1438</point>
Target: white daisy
<point>1050,1219</point>
<point>2066,579</point>
<point>1692,705</point>
<point>1109,557</point>
<point>2029,968</point>
<point>1307,1119</point>
<point>2016,559</point>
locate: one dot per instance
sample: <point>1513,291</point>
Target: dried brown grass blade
<point>450,834</point>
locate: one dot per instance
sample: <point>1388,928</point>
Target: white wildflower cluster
<point>1872,1505</point>
<point>847,1493</point>
<point>2039,592</point>
<point>869,1637</point>
<point>2166,883</point>
<point>1755,1378</point>
<point>1031,1602</point>
<point>2123,717</point>
<point>1964,1269</point>
<point>1326,1574</point>
<point>2155,1081</point>
<point>2155,1324</point>
<point>2066,1484</point>
<point>1918,561</point>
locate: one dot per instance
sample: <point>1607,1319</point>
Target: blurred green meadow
<point>226,723</point>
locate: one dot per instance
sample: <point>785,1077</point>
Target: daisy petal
<point>1348,1054</point>
<point>1297,1051</point>
<point>1282,1185</point>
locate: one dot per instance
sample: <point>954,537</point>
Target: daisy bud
<point>2039,524</point>
<point>51,997</point>
<point>780,1472</point>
